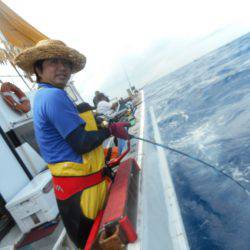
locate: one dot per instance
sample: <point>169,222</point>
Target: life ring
<point>22,104</point>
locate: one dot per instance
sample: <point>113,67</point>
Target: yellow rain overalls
<point>80,189</point>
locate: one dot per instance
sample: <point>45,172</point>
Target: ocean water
<point>204,109</point>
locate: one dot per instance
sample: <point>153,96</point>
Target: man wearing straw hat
<point>70,144</point>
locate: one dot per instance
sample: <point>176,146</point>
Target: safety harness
<point>65,187</point>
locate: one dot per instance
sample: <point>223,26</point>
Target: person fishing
<point>105,107</point>
<point>109,110</point>
<point>70,143</point>
<point>96,98</point>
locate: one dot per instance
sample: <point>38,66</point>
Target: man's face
<point>55,71</point>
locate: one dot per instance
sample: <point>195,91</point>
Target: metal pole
<point>27,85</point>
<point>16,155</point>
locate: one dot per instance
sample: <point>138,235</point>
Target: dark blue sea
<point>203,109</point>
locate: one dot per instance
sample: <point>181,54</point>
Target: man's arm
<point>83,141</point>
<point>64,116</point>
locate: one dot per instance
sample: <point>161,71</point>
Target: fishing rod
<point>191,157</point>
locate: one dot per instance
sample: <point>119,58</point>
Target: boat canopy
<point>17,31</point>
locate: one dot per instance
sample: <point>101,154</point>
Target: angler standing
<point>69,143</point>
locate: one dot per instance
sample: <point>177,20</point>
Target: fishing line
<point>191,157</point>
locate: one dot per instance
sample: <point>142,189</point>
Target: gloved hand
<point>118,129</point>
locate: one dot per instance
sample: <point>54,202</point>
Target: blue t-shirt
<point>55,117</point>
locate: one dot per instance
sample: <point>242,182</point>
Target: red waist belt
<point>65,186</point>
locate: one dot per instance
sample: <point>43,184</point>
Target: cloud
<point>165,56</point>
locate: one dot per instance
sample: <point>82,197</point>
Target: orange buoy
<point>22,104</point>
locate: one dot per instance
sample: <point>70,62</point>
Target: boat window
<point>24,133</point>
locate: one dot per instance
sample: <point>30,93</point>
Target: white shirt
<point>104,108</point>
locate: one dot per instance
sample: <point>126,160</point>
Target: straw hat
<point>46,49</point>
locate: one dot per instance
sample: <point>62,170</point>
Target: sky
<point>146,39</point>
